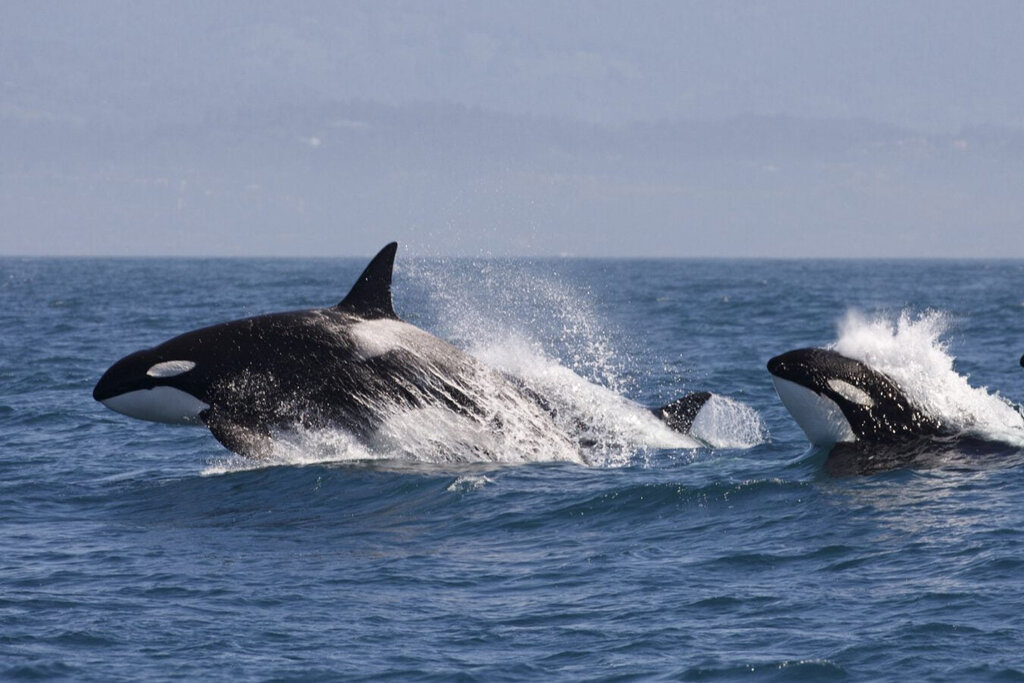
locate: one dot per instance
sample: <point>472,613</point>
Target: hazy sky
<point>592,128</point>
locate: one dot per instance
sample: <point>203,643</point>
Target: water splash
<point>611,428</point>
<point>727,423</point>
<point>911,351</point>
<point>483,304</point>
<point>533,326</point>
<point>469,482</point>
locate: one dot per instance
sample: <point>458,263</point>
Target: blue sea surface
<point>132,550</point>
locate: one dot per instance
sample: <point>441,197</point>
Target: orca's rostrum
<point>354,366</point>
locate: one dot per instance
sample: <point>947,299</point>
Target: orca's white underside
<point>159,404</point>
<point>821,419</point>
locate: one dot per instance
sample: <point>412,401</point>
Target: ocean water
<point>133,550</point>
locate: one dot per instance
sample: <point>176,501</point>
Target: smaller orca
<point>865,419</point>
<point>837,399</point>
<point>861,415</point>
<point>355,366</point>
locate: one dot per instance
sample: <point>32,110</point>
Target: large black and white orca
<point>864,417</point>
<point>354,366</point>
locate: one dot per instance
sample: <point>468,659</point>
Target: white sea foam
<point>611,427</point>
<point>511,431</point>
<point>910,350</point>
<point>469,482</point>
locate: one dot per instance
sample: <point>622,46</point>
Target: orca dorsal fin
<point>370,296</point>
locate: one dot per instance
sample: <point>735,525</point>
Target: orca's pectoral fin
<point>238,438</point>
<point>680,414</point>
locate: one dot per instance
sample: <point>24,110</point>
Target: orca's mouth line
<point>107,389</point>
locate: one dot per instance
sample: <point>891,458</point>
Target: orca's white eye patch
<point>851,393</point>
<point>170,368</point>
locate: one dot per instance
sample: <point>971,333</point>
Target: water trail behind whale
<point>537,327</point>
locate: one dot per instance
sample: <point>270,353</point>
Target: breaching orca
<point>864,417</point>
<point>354,366</point>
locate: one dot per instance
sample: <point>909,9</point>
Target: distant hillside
<point>337,177</point>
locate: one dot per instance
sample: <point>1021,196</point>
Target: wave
<point>538,496</point>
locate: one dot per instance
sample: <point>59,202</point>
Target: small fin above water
<point>370,296</point>
<point>680,414</point>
